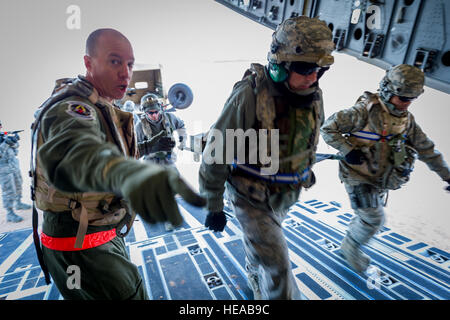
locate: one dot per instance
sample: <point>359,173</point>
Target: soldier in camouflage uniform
<point>380,140</point>
<point>10,177</point>
<point>88,182</point>
<point>130,106</point>
<point>159,125</point>
<point>283,97</point>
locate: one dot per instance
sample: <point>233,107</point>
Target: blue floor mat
<point>193,263</point>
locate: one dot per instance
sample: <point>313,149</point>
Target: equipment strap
<point>82,228</point>
<point>37,245</point>
<point>290,178</point>
<point>371,135</point>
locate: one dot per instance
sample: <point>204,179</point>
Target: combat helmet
<point>402,80</point>
<point>128,106</point>
<point>150,101</point>
<point>302,39</point>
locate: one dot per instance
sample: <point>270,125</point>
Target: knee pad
<point>365,196</point>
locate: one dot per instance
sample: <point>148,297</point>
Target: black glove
<point>216,221</point>
<point>448,187</point>
<point>150,190</point>
<point>355,156</point>
<point>164,144</point>
<point>145,147</point>
<point>11,140</point>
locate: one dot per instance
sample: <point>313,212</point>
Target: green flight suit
<point>73,156</point>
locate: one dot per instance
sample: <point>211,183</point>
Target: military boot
<point>12,217</point>
<point>253,283</point>
<point>351,251</point>
<point>168,226</point>
<point>22,206</point>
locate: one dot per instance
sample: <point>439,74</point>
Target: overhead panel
<point>379,32</point>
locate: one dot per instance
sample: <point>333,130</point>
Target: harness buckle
<point>103,206</point>
<point>73,204</point>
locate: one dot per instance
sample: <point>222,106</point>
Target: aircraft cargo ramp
<point>193,263</point>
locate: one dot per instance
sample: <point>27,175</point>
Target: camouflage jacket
<point>339,127</point>
<point>240,112</point>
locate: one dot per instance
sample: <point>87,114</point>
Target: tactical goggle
<point>406,99</point>
<point>152,112</point>
<point>304,68</point>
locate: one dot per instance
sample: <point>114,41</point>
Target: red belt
<point>68,244</point>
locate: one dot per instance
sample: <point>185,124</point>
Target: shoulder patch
<point>80,110</point>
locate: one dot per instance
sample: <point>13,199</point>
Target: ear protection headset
<point>278,72</point>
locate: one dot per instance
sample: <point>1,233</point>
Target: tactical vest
<point>88,208</point>
<point>298,132</point>
<point>147,129</point>
<point>382,141</point>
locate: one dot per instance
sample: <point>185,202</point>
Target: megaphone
<point>180,96</point>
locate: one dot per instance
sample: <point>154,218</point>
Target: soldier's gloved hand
<point>355,156</point>
<point>182,142</point>
<point>164,144</point>
<point>145,147</point>
<point>216,221</point>
<point>151,189</point>
<point>448,187</point>
<point>11,140</point>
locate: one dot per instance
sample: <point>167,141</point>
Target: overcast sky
<point>208,47</point>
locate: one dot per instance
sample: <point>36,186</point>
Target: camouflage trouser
<point>266,250</point>
<point>18,182</point>
<point>11,185</point>
<point>367,203</point>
